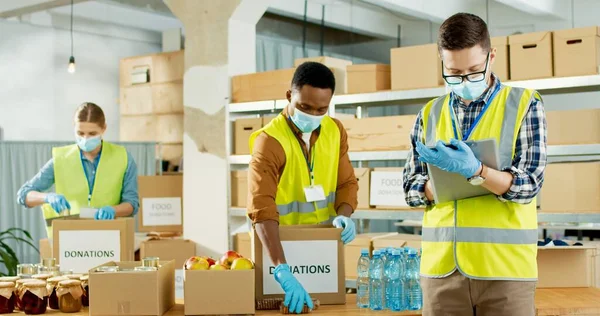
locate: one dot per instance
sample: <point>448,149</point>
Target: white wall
<point>38,96</point>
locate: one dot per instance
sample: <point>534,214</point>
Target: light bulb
<point>71,68</point>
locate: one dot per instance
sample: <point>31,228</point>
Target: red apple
<point>218,266</point>
<point>196,263</point>
<point>228,258</point>
<point>242,264</point>
<point>210,260</point>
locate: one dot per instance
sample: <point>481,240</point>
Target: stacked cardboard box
<point>501,65</point>
<point>531,56</point>
<point>151,102</point>
<point>368,78</point>
<point>337,66</point>
<point>268,85</point>
<point>363,176</point>
<point>387,191</point>
<point>560,267</point>
<point>242,244</point>
<point>416,67</point>
<point>239,188</point>
<point>571,188</point>
<point>573,127</point>
<point>577,51</point>
<point>379,133</point>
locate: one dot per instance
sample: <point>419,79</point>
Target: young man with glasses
<point>479,254</point>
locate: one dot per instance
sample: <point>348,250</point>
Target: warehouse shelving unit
<point>572,153</point>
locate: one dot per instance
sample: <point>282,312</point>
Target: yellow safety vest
<point>291,201</point>
<point>482,237</point>
<point>70,179</point>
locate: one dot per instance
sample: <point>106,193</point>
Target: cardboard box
<point>45,248</point>
<point>268,85</point>
<point>573,127</point>
<point>239,188</point>
<point>531,56</point>
<point>571,188</point>
<point>243,244</point>
<point>160,203</point>
<point>163,128</point>
<point>316,255</point>
<point>337,66</point>
<point>395,241</point>
<point>82,244</point>
<point>163,67</point>
<point>132,293</point>
<point>577,52</point>
<point>369,78</point>
<point>353,249</point>
<point>386,189</point>
<point>501,64</point>
<point>213,292</point>
<point>595,244</point>
<point>379,133</point>
<point>416,67</point>
<point>157,98</point>
<point>243,128</point>
<point>178,250</point>
<point>363,175</point>
<point>560,267</point>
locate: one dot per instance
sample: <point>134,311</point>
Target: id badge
<point>314,193</point>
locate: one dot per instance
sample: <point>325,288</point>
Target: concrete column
<point>220,41</point>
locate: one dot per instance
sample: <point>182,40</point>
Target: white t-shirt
<point>306,139</point>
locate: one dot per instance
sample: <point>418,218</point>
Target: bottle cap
<point>412,255</point>
<point>376,252</point>
<point>364,251</point>
<point>396,252</point>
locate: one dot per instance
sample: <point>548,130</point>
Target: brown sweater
<point>268,162</point>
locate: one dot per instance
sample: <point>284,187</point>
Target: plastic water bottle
<point>362,281</point>
<point>376,289</point>
<point>394,286</point>
<point>386,277</point>
<point>415,297</point>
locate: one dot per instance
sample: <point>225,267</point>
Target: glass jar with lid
<point>69,294</point>
<point>85,284</point>
<point>7,297</point>
<point>51,288</point>
<point>151,262</point>
<point>34,297</point>
<point>49,262</point>
<point>18,289</point>
<point>26,270</point>
<point>144,269</point>
<point>108,269</point>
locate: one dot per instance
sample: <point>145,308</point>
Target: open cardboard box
<point>216,292</point>
<point>315,253</point>
<point>132,292</point>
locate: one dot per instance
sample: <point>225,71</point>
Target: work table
<point>549,302</point>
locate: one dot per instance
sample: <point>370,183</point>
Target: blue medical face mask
<point>306,122</point>
<point>88,144</point>
<point>469,90</point>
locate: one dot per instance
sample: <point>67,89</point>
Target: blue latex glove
<point>460,160</point>
<point>105,213</point>
<point>349,232</point>
<point>58,202</point>
<point>295,295</point>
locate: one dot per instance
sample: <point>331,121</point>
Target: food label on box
<point>386,188</point>
<point>313,262</point>
<point>81,250</point>
<point>179,283</point>
<point>161,211</point>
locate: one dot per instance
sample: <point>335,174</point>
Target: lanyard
<point>477,119</point>
<point>95,163</point>
<point>311,165</point>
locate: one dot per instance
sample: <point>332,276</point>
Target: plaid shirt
<point>528,164</point>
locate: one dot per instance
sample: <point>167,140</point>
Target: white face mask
<point>88,144</point>
<point>306,122</point>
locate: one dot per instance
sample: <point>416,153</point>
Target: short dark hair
<point>315,75</point>
<point>463,30</point>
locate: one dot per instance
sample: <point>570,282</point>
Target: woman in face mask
<point>91,174</point>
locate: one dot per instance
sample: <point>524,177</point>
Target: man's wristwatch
<point>479,179</point>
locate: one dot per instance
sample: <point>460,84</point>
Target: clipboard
<point>449,186</point>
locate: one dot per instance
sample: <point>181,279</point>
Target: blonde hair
<point>90,112</point>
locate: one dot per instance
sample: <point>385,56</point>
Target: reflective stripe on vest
<point>482,237</point>
<point>290,199</point>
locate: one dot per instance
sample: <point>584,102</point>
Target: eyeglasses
<point>472,77</point>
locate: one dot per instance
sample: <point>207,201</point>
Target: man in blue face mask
<point>478,254</point>
<point>300,174</point>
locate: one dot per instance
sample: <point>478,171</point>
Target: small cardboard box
<point>239,188</point>
<point>315,254</point>
<point>531,56</point>
<point>577,52</point>
<point>500,66</point>
<point>416,67</point>
<point>363,175</point>
<point>162,128</point>
<point>158,98</point>
<point>268,85</point>
<point>337,66</point>
<point>82,244</point>
<point>353,249</point>
<point>243,128</point>
<point>568,266</point>
<point>379,133</point>
<point>369,78</point>
<point>386,189</point>
<point>161,203</point>
<point>45,248</point>
<point>211,292</point>
<point>243,244</point>
<point>178,250</point>
<point>573,127</point>
<point>132,292</point>
<point>571,188</point>
<point>162,67</point>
